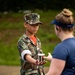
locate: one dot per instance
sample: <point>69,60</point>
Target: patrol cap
<point>61,24</point>
<point>32,18</point>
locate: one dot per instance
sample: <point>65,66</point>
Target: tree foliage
<point>16,5</point>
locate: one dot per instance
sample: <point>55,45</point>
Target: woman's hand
<point>49,57</point>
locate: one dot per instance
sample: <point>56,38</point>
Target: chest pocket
<point>33,50</point>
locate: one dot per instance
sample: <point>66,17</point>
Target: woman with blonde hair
<point>63,57</point>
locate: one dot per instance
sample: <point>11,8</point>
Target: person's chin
<point>35,32</point>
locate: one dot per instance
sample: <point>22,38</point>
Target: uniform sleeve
<point>60,52</point>
<point>23,49</point>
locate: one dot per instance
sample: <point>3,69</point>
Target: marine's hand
<point>41,62</point>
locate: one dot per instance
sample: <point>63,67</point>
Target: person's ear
<point>57,28</point>
<point>24,24</point>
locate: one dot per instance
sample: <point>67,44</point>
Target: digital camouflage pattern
<point>25,43</point>
<point>32,18</point>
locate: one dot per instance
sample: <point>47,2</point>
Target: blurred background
<point>11,25</point>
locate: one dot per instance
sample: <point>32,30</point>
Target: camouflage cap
<point>32,18</point>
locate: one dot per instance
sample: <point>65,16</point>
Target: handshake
<point>41,59</point>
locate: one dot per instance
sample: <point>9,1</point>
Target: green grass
<point>11,28</point>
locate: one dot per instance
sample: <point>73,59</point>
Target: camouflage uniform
<point>26,46</point>
<point>25,43</point>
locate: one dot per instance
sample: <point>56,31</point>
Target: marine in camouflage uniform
<point>26,46</point>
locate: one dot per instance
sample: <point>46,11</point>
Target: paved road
<point>13,70</point>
